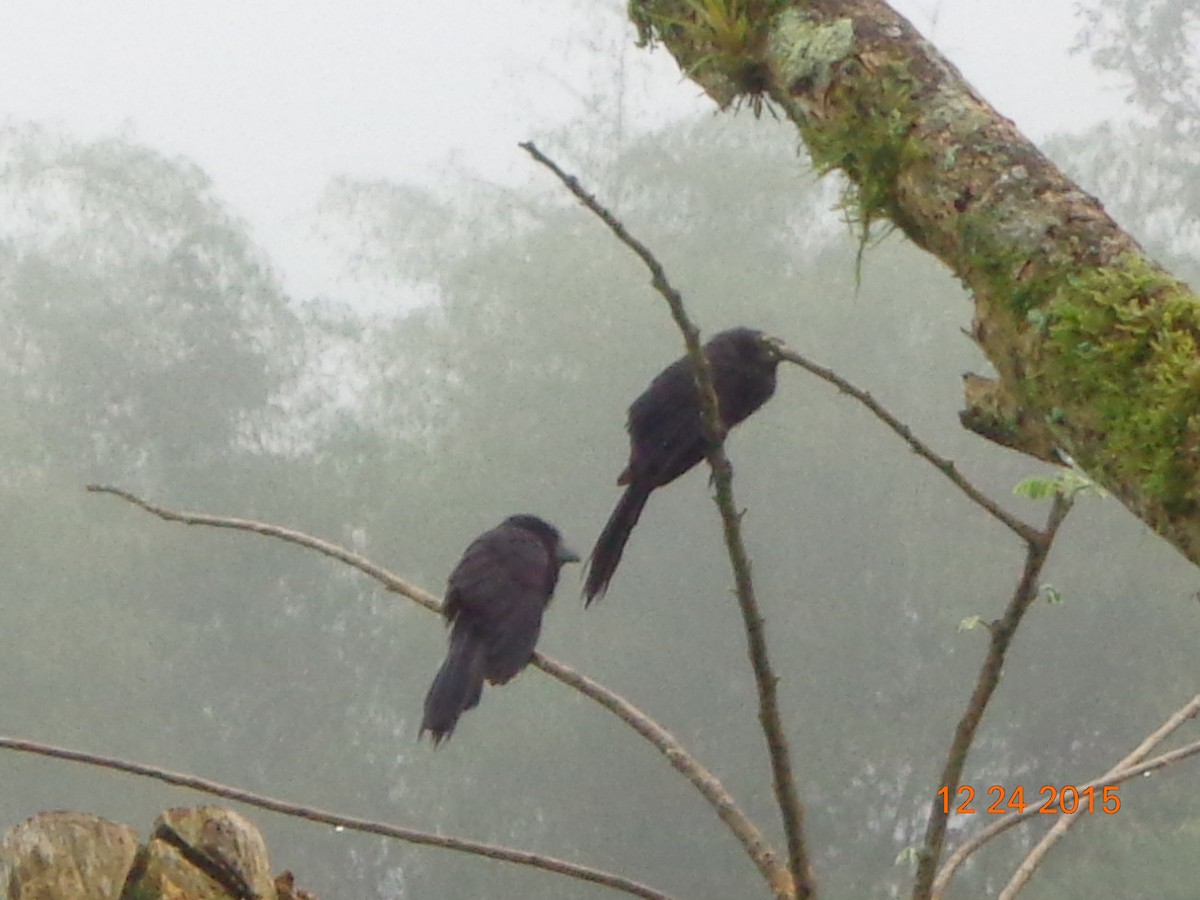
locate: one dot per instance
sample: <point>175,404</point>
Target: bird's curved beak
<point>566,554</point>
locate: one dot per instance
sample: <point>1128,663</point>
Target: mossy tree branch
<point>1097,346</point>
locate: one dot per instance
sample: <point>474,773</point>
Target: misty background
<point>286,262</point>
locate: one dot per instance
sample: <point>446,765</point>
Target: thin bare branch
<point>389,580</point>
<point>755,845</point>
<point>320,816</point>
<point>1158,762</point>
<point>1189,710</point>
<point>783,779</point>
<point>658,276</point>
<point>1127,768</point>
<point>1002,632</point>
<point>1022,530</point>
<point>1064,822</point>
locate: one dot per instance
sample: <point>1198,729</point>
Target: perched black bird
<point>494,600</point>
<point>666,435</point>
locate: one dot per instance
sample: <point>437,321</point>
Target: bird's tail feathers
<point>602,564</point>
<point>457,685</point>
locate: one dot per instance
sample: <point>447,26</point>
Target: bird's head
<point>753,349</point>
<point>547,534</point>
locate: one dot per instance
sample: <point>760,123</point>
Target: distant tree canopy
<point>139,326</point>
<point>1145,168</point>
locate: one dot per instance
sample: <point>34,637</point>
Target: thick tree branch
<point>1096,342</point>
<point>764,857</point>
<point>1002,632</point>
<point>1130,767</point>
<point>367,826</point>
<point>790,808</point>
<point>993,412</point>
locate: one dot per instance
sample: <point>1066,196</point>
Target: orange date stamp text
<point>1067,800</point>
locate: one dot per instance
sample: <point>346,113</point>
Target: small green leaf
<point>909,855</point>
<point>1053,595</point>
<point>969,623</point>
<point>1035,488</point>
<point>1069,483</point>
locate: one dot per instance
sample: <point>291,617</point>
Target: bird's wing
<point>664,427</point>
<point>500,589</point>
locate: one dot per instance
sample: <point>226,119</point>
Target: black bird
<point>494,600</point>
<point>666,435</point>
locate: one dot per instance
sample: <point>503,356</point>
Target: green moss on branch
<point>1122,358</point>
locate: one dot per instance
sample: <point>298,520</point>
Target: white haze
<point>273,99</point>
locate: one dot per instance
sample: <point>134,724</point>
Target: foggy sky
<point>272,99</point>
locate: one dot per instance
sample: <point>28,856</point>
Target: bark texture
<point>1094,344</point>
